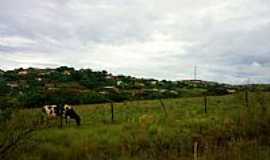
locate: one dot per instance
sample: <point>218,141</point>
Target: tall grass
<point>142,130</point>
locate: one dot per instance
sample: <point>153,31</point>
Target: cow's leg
<point>47,122</point>
<point>66,121</point>
<point>60,121</point>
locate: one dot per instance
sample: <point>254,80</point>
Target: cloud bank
<point>229,41</point>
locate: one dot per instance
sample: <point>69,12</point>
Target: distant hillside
<point>35,87</point>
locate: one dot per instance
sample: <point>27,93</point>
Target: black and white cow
<point>56,111</point>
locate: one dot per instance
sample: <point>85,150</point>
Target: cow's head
<point>67,107</point>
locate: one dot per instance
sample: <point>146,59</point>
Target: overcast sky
<point>228,40</point>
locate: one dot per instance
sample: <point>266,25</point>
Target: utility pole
<point>195,72</point>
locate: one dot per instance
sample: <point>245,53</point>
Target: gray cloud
<point>227,40</point>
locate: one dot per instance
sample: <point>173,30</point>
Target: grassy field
<point>144,130</point>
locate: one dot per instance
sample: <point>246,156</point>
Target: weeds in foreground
<point>141,130</point>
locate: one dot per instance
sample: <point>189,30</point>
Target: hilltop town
<point>36,87</point>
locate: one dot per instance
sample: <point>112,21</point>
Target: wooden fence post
<point>195,150</point>
<point>163,106</point>
<point>112,110</point>
<point>205,103</point>
<point>246,98</point>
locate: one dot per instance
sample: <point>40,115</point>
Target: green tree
<point>4,89</point>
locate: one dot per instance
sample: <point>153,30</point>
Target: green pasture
<point>146,130</point>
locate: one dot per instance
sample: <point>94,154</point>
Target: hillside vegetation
<point>36,87</point>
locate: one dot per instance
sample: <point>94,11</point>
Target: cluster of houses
<point>40,74</point>
<point>121,84</point>
<point>135,86</point>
